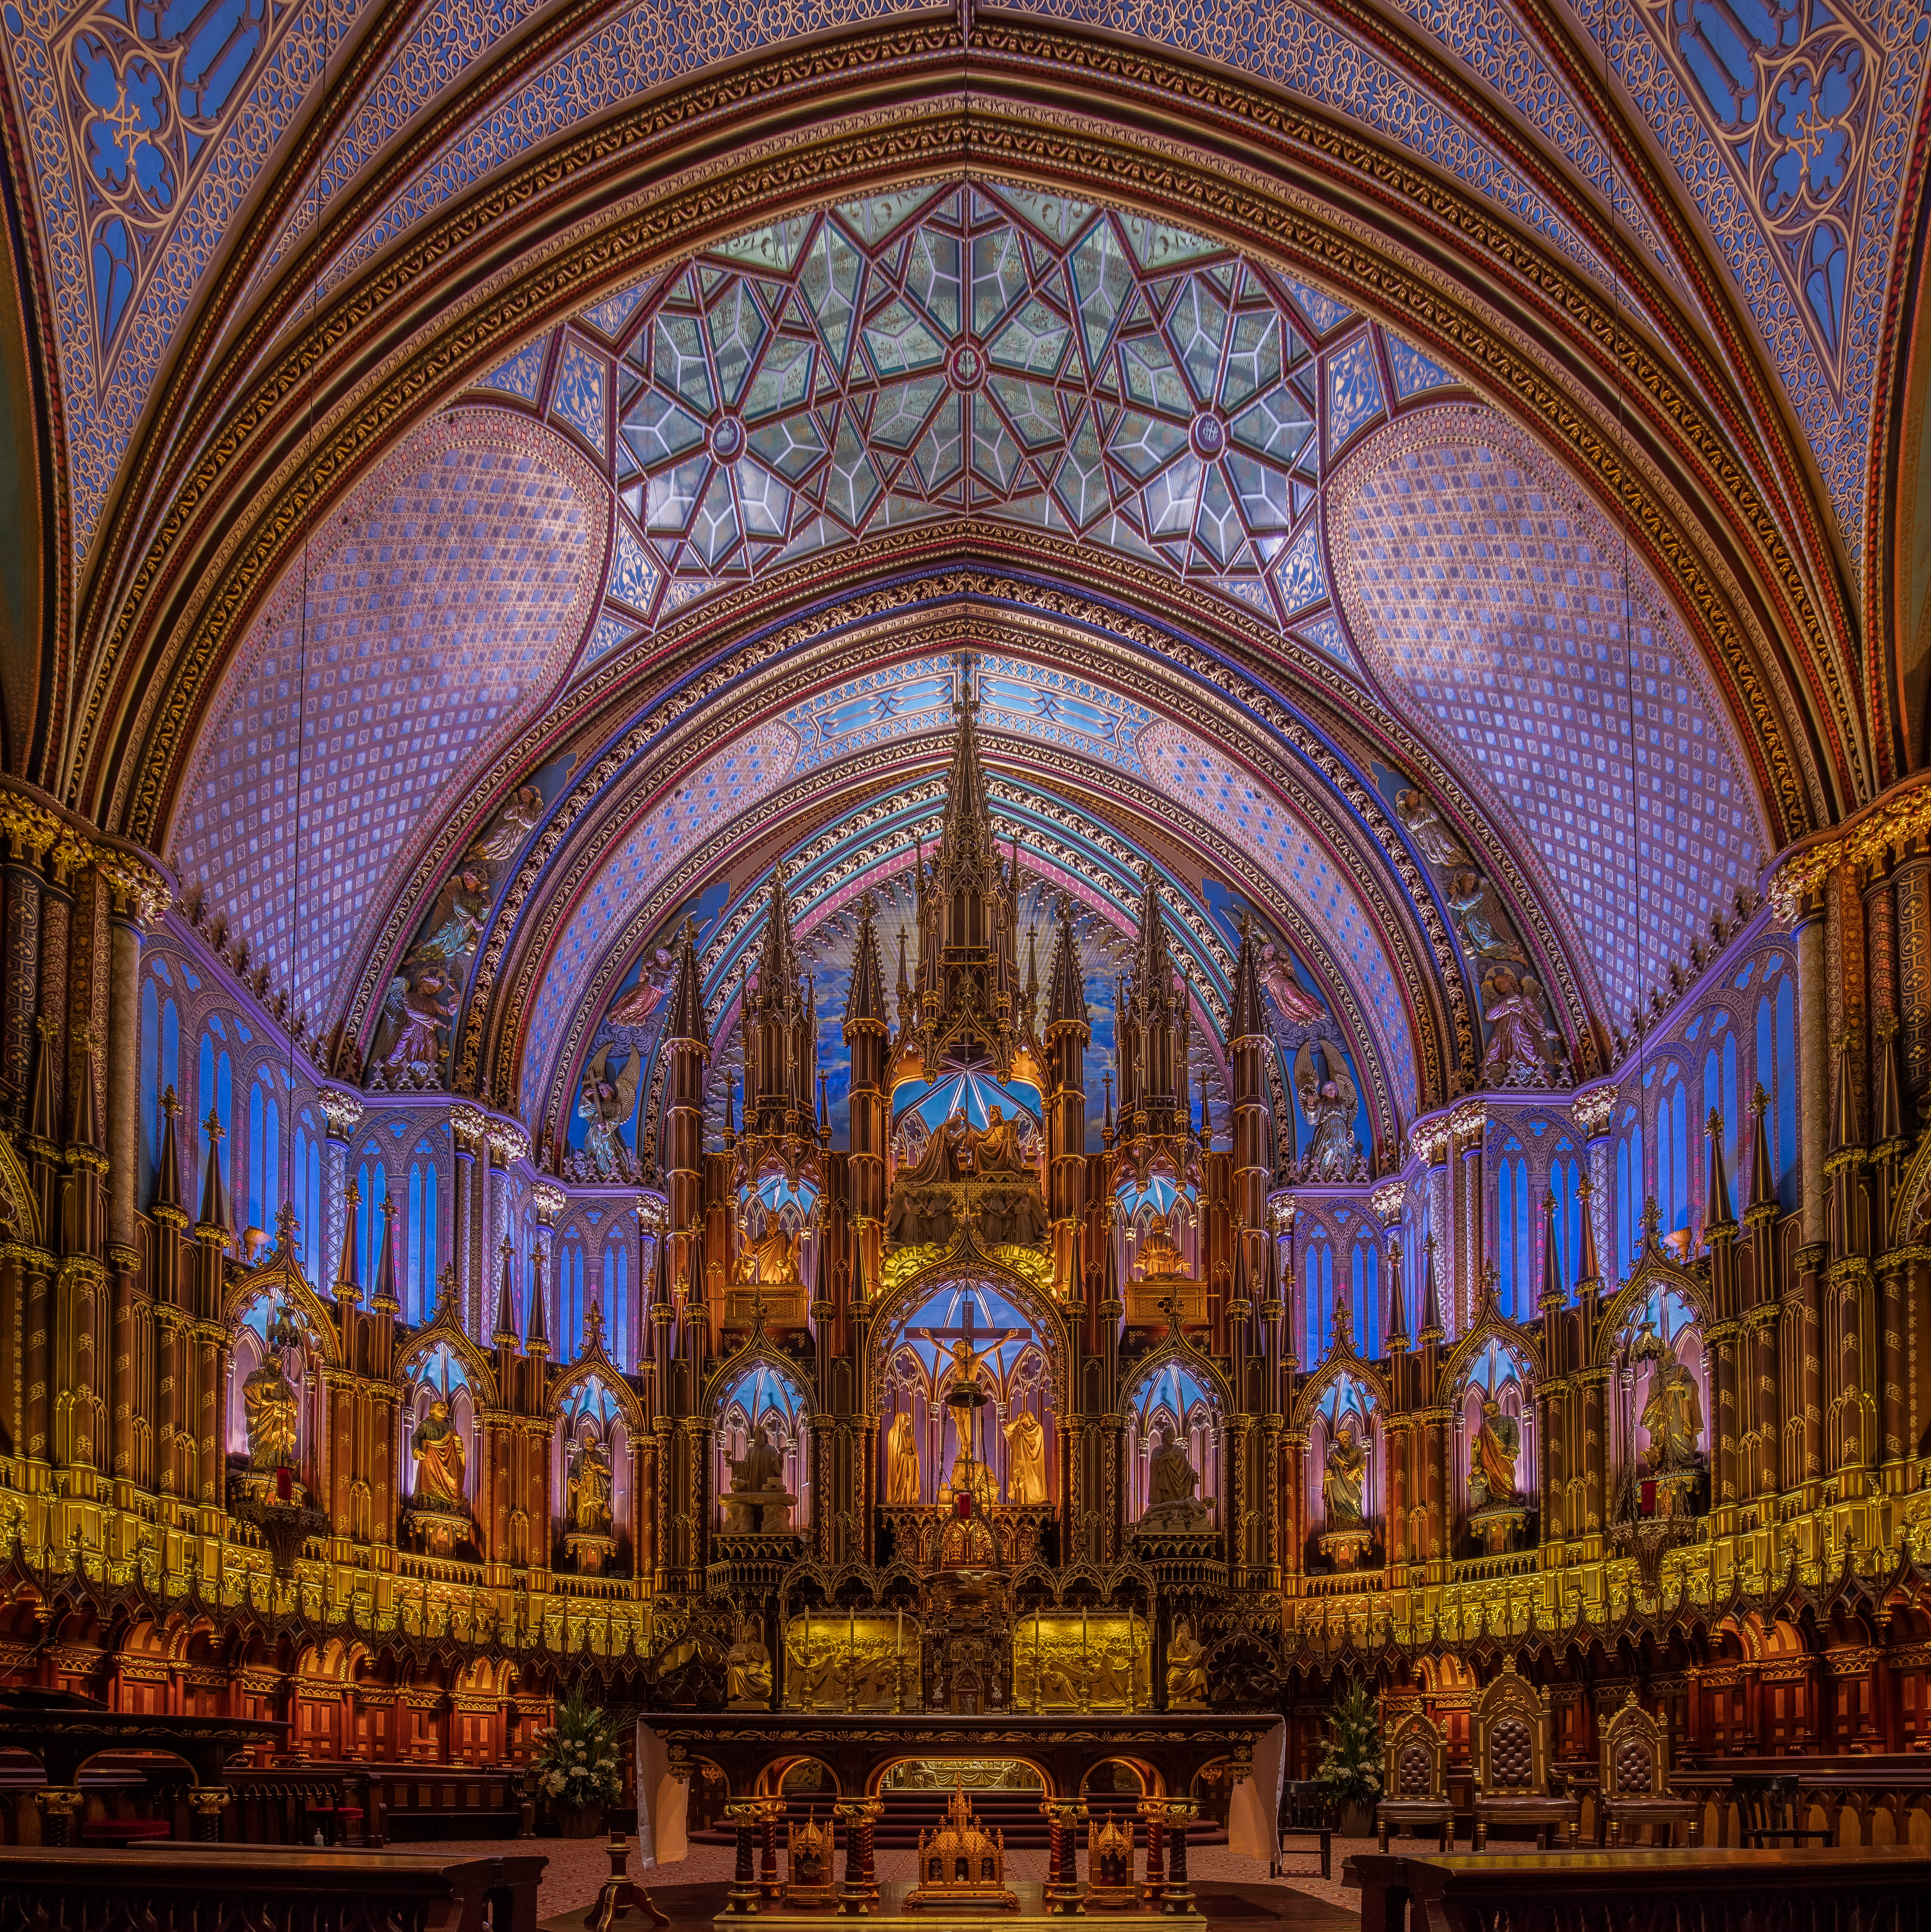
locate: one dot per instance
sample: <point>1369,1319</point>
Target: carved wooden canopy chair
<point>1635,1782</point>
<point>1511,1764</point>
<point>1414,1783</point>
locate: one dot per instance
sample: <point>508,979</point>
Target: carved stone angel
<point>504,839</point>
<point>1327,1100</point>
<point>604,1104</point>
<point>1483,928</point>
<point>1512,1005</point>
<point>1432,838</point>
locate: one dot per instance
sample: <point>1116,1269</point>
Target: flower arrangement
<point>1350,1772</point>
<point>578,1764</point>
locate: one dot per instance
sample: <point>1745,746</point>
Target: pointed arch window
<point>1367,1298</point>
<point>1515,1247</point>
<point>617,1300</point>
<point>1320,1299</point>
<point>161,1069</point>
<point>570,1297</point>
<point>1777,1073</point>
<point>1565,1182</point>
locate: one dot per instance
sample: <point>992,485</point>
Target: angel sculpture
<point>1481,925</point>
<point>634,1008</point>
<point>419,1005</point>
<point>1327,1100</point>
<point>504,839</point>
<point>1512,1005</point>
<point>1432,838</point>
<point>464,906</point>
<point>1291,1000</point>
<point>604,1104</point>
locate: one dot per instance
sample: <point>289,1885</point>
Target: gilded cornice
<point>454,342</point>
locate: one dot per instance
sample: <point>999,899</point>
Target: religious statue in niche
<point>517,820</point>
<point>771,1260</point>
<point>269,1408</point>
<point>902,1483</point>
<point>437,1446</point>
<point>1484,930</point>
<point>1343,1480</point>
<point>589,1534</point>
<point>1518,1029</point>
<point>757,1502</point>
<point>1025,1459</point>
<point>984,1175</point>
<point>589,1488</point>
<point>604,1103</point>
<point>1326,1097</point>
<point>748,1671</point>
<point>1433,839</point>
<point>1672,1416</point>
<point>1172,1509</point>
<point>1186,1670</point>
<point>1491,1463</point>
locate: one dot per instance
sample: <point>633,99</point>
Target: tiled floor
<point>692,1890</point>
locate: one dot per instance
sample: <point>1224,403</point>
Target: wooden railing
<point>187,1888</point>
<point>1859,1800</point>
<point>1692,1891</point>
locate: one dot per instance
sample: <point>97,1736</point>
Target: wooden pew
<point>271,1891</point>
<point>431,1801</point>
<point>1885,1888</point>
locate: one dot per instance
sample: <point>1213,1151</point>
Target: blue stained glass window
<point>413,1296</point>
<point>161,1069</point>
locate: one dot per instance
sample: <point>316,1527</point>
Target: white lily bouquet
<point>578,1762</point>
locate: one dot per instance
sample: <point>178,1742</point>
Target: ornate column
<point>746,1815</point>
<point>858,1896</point>
<point>550,1201</point>
<point>1177,1899</point>
<point>467,1126</point>
<point>1153,1887</point>
<point>1470,1125</point>
<point>1064,1896</point>
<point>1912,889</point>
<point>341,1113</point>
<point>27,839</point>
<point>1813,1102</point>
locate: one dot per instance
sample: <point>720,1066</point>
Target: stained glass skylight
<point>992,352</point>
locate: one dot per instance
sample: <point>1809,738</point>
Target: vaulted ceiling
<point>522,472</point>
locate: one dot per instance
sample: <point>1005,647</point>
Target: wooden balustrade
<point>1704,1890</point>
<point>1877,1800</point>
<point>193,1889</point>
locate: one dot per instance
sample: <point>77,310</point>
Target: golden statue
<point>1026,1466</point>
<point>771,1261</point>
<point>748,1671</point>
<point>902,1484</point>
<point>1346,1474</point>
<point>270,1408</point>
<point>1673,1416</point>
<point>966,1359</point>
<point>590,1487</point>
<point>1186,1675</point>
<point>1492,1457</point>
<point>439,1466</point>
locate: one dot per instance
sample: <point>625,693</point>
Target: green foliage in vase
<point>578,1762</point>
<point>1350,1772</point>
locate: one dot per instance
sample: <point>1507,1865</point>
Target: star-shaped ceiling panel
<point>996,353</point>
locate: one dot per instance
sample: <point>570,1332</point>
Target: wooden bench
<point>268,1890</point>
<point>443,1801</point>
